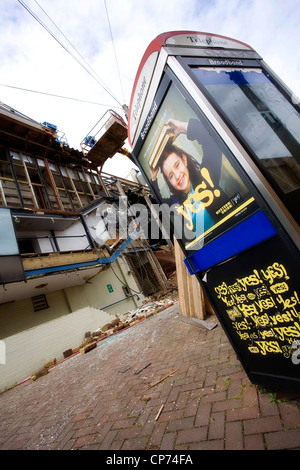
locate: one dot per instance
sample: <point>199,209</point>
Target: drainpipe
<point>89,237</point>
<point>125,282</point>
<point>118,301</point>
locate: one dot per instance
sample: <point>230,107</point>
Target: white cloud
<point>31,58</point>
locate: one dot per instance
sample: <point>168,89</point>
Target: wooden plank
<point>29,181</point>
<point>87,182</point>
<point>159,412</point>
<point>161,380</point>
<point>53,185</point>
<point>182,292</point>
<point>199,310</point>
<point>190,292</point>
<point>58,259</point>
<point>2,194</point>
<point>73,186</point>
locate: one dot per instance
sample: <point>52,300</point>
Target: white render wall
<point>33,338</point>
<point>28,351</point>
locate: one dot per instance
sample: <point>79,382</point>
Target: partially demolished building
<point>62,272</point>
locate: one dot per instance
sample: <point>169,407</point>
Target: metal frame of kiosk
<point>216,134</point>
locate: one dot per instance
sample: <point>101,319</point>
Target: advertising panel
<point>193,177</point>
<point>221,200</point>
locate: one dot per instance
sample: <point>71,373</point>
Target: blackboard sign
<point>257,299</point>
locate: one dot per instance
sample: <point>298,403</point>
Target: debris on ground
<point>125,320</point>
<point>159,412</point>
<point>40,373</point>
<point>159,381</point>
<point>151,306</point>
<point>88,347</point>
<point>139,371</point>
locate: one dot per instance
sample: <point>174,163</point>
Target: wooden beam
<point>57,259</point>
<point>29,181</point>
<point>53,185</point>
<point>190,292</point>
<point>181,280</point>
<point>73,186</point>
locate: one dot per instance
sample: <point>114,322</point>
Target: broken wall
<point>29,350</point>
<point>35,337</point>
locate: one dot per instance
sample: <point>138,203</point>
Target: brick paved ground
<point>98,400</point>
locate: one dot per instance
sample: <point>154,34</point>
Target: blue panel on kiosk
<point>252,231</point>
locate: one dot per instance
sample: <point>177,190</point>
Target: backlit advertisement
<point>191,174</point>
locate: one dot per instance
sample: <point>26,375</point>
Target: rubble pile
<point>151,306</point>
<point>124,320</point>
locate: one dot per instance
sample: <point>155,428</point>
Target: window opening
<point>39,302</point>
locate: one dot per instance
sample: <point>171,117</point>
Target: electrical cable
<point>58,96</point>
<point>92,74</point>
<point>76,50</point>
<point>122,282</point>
<point>112,40</point>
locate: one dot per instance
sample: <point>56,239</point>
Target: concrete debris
<point>68,353</point>
<point>150,307</point>
<point>88,347</point>
<point>198,322</point>
<point>40,373</point>
<point>120,322</point>
<point>50,363</point>
<point>44,370</point>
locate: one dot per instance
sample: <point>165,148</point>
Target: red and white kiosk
<point>216,134</point>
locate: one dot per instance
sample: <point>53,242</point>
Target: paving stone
<point>288,439</point>
<point>97,401</point>
<point>254,442</point>
<point>216,425</point>
<point>192,435</point>
<point>234,436</point>
<point>264,424</point>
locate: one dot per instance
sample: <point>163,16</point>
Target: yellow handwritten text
<point>279,288</point>
<point>264,309</point>
<point>288,331</point>
<point>273,272</point>
<point>268,347</point>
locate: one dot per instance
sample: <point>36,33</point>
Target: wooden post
<point>192,301</point>
<point>53,185</point>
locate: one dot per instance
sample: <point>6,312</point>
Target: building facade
<point>62,271</point>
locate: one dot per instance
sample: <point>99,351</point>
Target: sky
<point>87,52</point>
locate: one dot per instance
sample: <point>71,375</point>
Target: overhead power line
<point>112,40</point>
<point>86,67</point>
<point>58,96</point>
<point>76,50</point>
